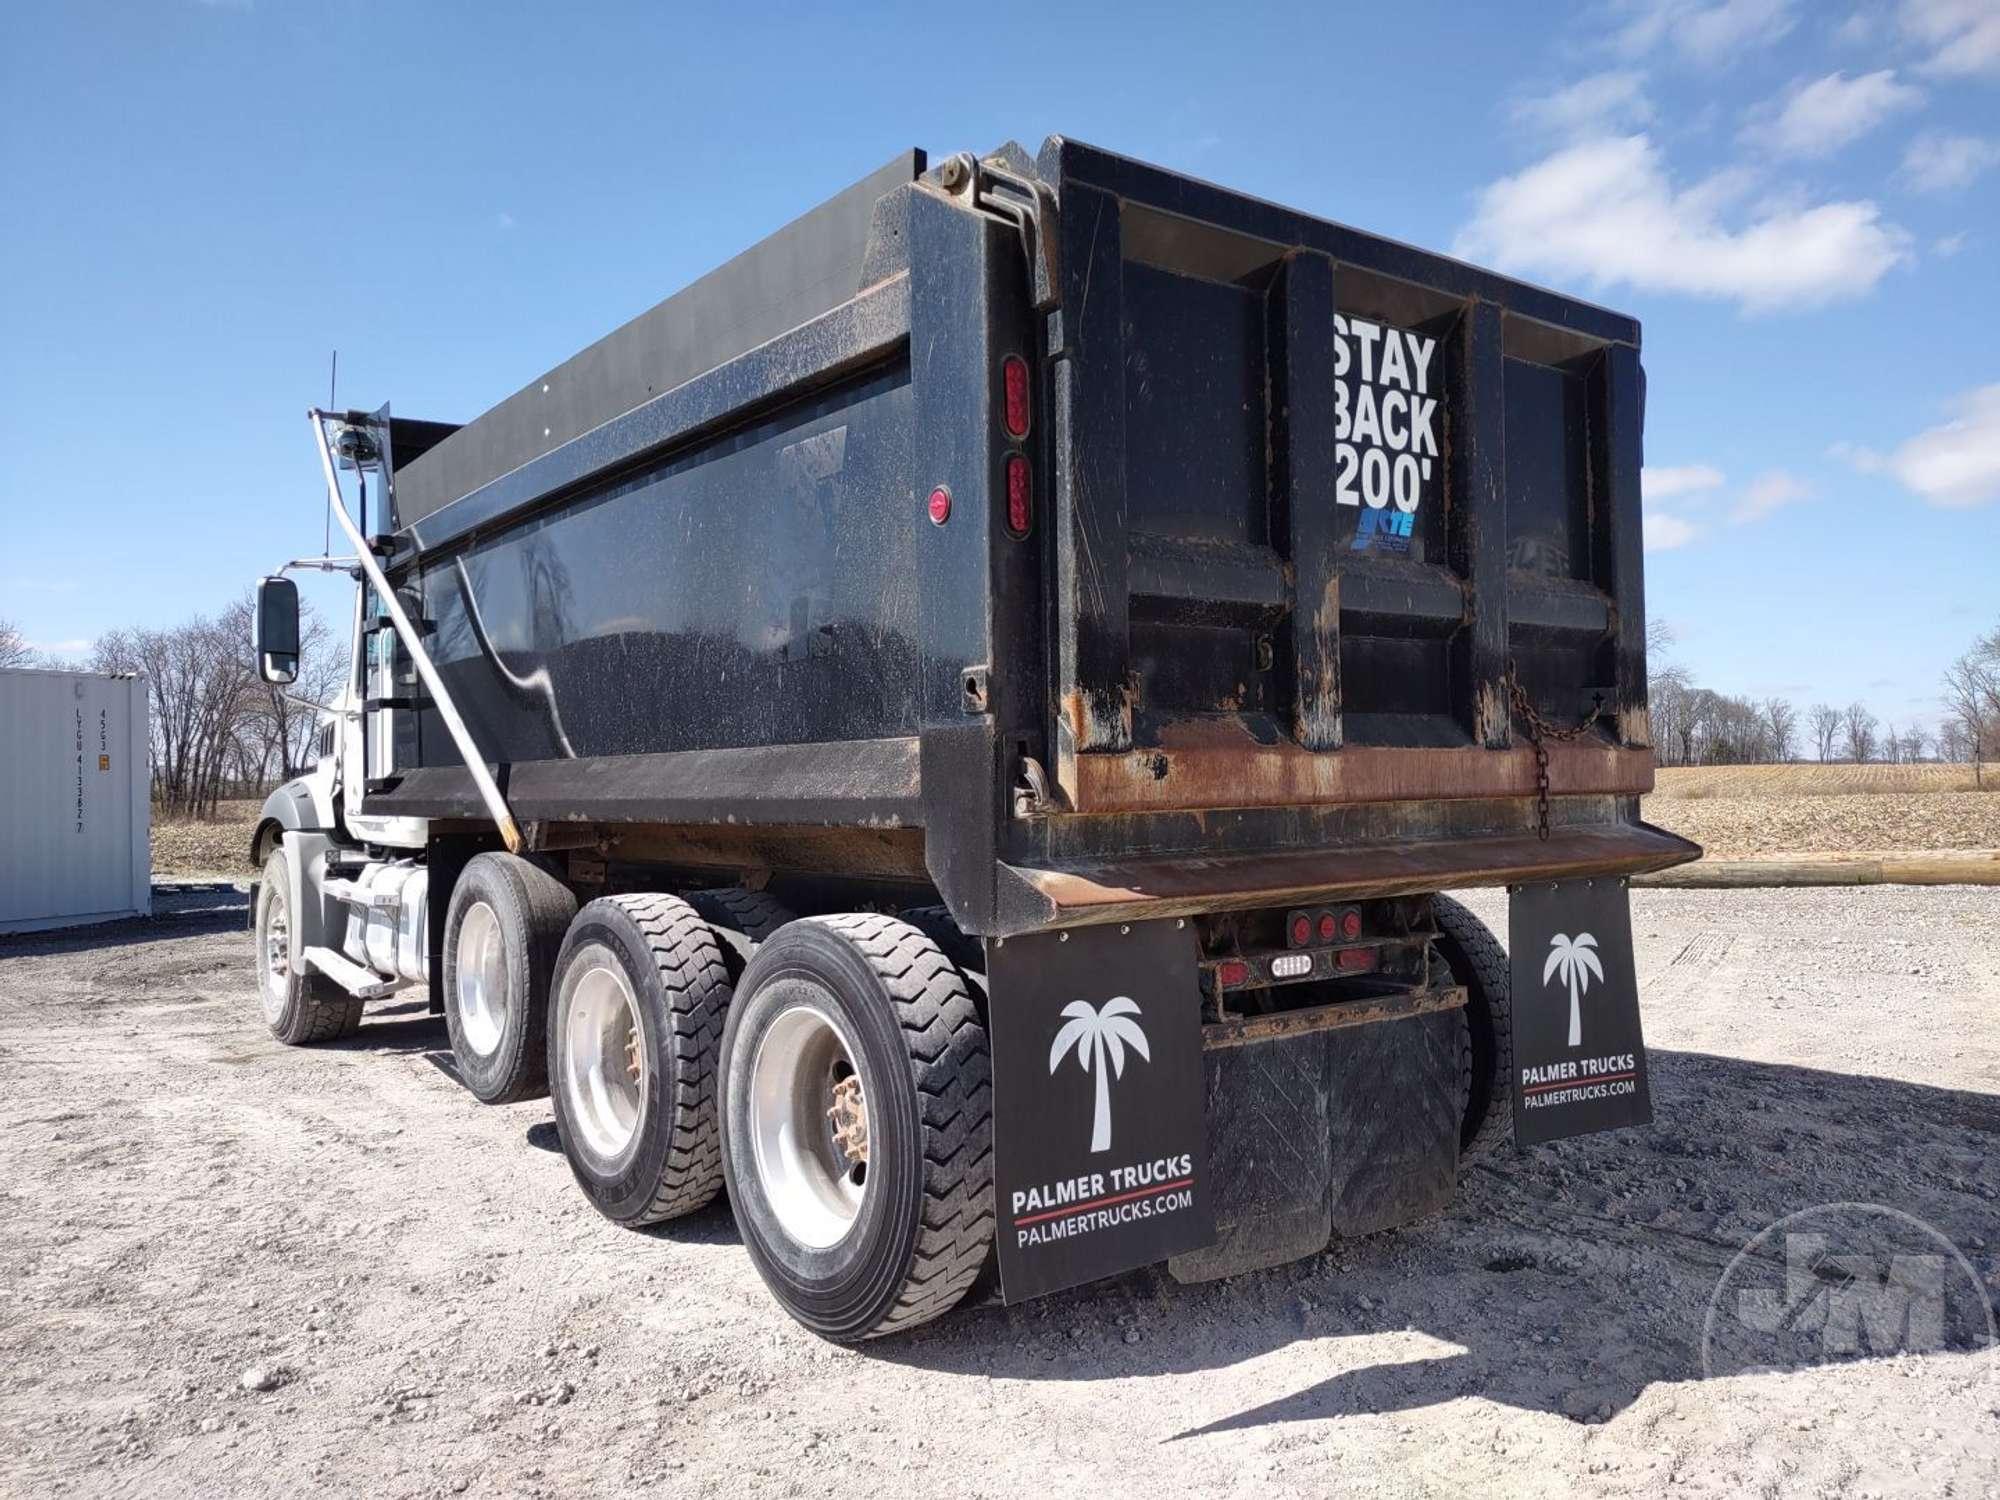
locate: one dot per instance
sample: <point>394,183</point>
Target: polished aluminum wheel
<point>809,1125</point>
<point>274,957</point>
<point>603,1075</point>
<point>482,979</point>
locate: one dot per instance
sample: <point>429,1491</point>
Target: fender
<point>302,805</point>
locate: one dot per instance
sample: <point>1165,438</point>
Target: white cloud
<point>1772,490</point>
<point>1665,484</point>
<point>1705,33</point>
<point>1597,105</point>
<point>1820,117</point>
<point>1606,212</point>
<point>1949,245</point>
<point>1682,486</point>
<point>1962,36</point>
<point>1938,163</point>
<point>1663,533</point>
<point>1858,29</point>
<point>1955,465</point>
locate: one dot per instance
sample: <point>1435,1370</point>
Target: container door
<point>69,811</point>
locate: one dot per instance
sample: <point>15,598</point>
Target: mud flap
<point>1100,1146</point>
<point>1579,1058</point>
<point>1340,1132</point>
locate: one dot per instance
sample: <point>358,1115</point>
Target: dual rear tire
<point>503,929</point>
<point>839,1090</point>
<point>857,1125</point>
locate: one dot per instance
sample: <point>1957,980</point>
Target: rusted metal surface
<point>1183,885</point>
<point>887,853</point>
<point>1217,763</point>
<point>1240,1031</point>
<point>849,1114</point>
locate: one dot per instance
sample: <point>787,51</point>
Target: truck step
<point>363,984</point>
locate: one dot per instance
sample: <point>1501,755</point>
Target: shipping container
<point>75,811</point>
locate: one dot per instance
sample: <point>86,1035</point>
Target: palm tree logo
<point>1573,961</point>
<point>1100,1038</point>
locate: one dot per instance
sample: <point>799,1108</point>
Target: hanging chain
<point>1541,730</point>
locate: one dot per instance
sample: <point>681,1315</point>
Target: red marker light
<point>1231,972</point>
<point>1014,389</point>
<point>1300,929</point>
<point>1328,930</point>
<point>1020,504</point>
<point>940,506</point>
<point>1350,923</point>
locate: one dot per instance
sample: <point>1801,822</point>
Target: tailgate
<point>1314,491</point>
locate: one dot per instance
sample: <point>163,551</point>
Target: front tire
<point>634,1029</point>
<point>300,1008</point>
<point>506,921</point>
<point>857,1125</point>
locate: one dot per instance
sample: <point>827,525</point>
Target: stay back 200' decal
<point>1100,1133</point>
<point>1388,416</point>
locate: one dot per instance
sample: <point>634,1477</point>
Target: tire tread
<point>696,984</point>
<point>1491,979</point>
<point>952,1071</point>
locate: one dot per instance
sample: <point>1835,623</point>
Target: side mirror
<point>274,632</point>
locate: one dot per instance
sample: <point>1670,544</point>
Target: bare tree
<point>14,648</point>
<point>280,720</point>
<point>1860,726</point>
<point>1972,701</point>
<point>1916,740</point>
<point>1782,722</point>
<point>1892,745</point>
<point>1825,721</point>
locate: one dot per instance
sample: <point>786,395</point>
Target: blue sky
<point>1801,202</point>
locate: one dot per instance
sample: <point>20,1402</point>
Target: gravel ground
<point>421,1303</point>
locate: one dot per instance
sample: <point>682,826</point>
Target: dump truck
<point>953,731</point>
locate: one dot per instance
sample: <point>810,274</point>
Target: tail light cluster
<point>1320,943</point>
<point>1017,409</point>
<point>1306,929</point>
<point>1016,417</point>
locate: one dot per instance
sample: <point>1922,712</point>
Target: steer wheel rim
<point>482,980</point>
<point>605,1076</point>
<point>809,1122</point>
<point>274,958</point>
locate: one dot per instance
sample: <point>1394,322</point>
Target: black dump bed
<point>1074,536</point>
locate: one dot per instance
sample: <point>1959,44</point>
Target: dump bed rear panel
<point>1315,491</point>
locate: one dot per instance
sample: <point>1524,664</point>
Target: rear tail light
<point>1357,960</point>
<point>1014,393</point>
<point>1020,497</point>
<point>1350,923</point>
<point>1231,973</point>
<point>1299,929</point>
<point>1329,927</point>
